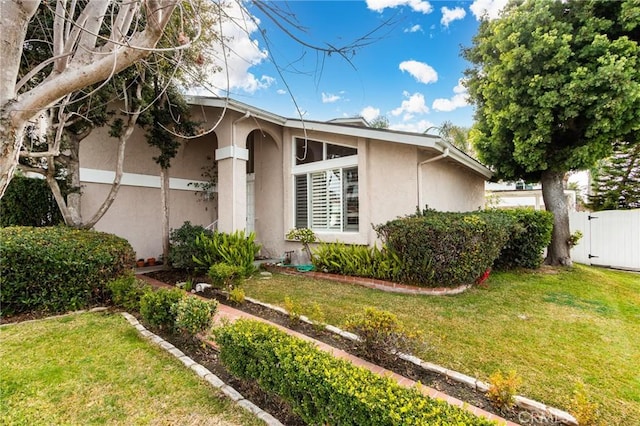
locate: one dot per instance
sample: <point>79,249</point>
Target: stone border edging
<point>521,401</point>
<point>372,282</point>
<point>204,373</point>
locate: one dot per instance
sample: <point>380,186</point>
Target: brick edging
<point>374,283</point>
<point>204,373</point>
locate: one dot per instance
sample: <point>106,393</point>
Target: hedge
<point>528,239</point>
<point>56,269</point>
<point>322,389</point>
<point>443,249</point>
<point>29,202</point>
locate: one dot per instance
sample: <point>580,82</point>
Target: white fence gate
<point>610,238</point>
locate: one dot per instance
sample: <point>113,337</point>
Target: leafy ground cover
<point>96,369</point>
<point>558,329</point>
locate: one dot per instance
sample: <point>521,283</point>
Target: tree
<point>457,136</point>
<point>92,40</point>
<point>116,103</point>
<point>616,180</point>
<point>380,122</point>
<point>554,82</point>
<point>165,122</point>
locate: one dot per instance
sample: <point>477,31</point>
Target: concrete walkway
<point>228,313</point>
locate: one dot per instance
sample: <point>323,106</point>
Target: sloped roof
<point>349,127</point>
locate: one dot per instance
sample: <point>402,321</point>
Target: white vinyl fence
<point>610,238</point>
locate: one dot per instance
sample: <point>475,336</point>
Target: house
<point>276,173</point>
<point>520,194</point>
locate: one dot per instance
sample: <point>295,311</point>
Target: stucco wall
<point>392,186</point>
<point>269,195</point>
<point>136,211</point>
<point>136,214</point>
<point>448,187</point>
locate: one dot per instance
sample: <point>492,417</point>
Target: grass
<point>96,369</point>
<point>557,329</point>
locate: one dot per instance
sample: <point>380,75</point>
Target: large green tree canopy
<point>555,83</point>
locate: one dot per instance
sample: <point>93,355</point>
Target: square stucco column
<point>232,188</point>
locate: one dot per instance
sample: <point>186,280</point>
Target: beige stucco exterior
<point>396,173</point>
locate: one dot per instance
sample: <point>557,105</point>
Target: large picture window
<point>326,186</point>
<point>327,200</point>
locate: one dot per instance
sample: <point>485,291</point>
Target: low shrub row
<point>322,389</point>
<point>530,234</point>
<point>169,309</point>
<point>57,269</point>
<point>444,249</point>
<point>360,261</point>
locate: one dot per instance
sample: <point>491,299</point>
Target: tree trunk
<point>559,250</point>
<point>164,189</point>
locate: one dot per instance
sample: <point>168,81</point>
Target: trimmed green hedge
<point>29,202</point>
<point>57,269</point>
<point>322,389</point>
<point>443,249</point>
<point>528,239</point>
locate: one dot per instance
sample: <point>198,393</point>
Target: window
<point>309,151</point>
<point>326,186</point>
<point>327,200</point>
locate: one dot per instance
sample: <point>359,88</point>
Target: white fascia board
<point>235,106</point>
<point>136,179</point>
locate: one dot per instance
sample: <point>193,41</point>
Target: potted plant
<point>140,263</point>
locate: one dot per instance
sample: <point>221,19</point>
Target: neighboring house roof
<point>349,127</point>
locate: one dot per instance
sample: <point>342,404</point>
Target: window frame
<point>342,163</point>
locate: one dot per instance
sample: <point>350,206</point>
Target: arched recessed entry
<point>264,187</point>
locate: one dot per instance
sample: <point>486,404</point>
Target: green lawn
<point>555,328</point>
<point>97,369</point>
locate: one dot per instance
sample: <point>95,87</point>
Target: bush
<point>157,308</point>
<point>356,260</point>
<point>530,235</point>
<point>226,276</point>
<point>381,334</point>
<point>58,269</point>
<point>503,388</point>
<point>234,249</point>
<point>29,202</point>
<point>184,248</point>
<point>439,249</point>
<point>127,291</point>
<point>236,295</point>
<point>322,389</point>
<point>193,314</point>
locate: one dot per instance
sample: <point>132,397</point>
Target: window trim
<point>307,169</point>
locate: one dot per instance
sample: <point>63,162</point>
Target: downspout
<point>233,166</point>
<point>444,154</point>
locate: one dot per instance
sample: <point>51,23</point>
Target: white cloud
<point>241,54</point>
<point>417,5</point>
<point>420,71</point>
<point>281,92</point>
<point>414,29</point>
<point>370,113</point>
<point>487,8</point>
<point>328,98</point>
<point>414,127</point>
<point>450,15</point>
<point>415,104</point>
<point>458,100</point>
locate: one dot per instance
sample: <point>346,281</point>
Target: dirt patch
<point>405,368</point>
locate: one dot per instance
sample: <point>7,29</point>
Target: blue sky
<point>409,72</point>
